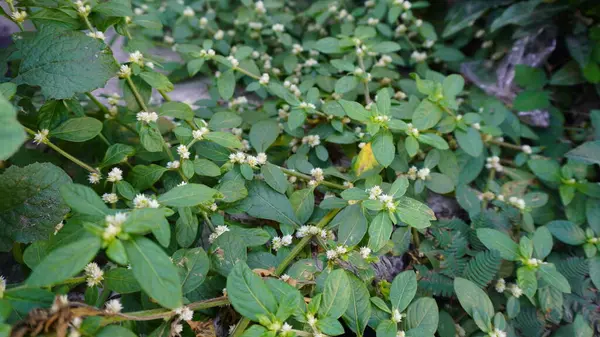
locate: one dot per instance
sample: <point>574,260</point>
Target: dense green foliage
<point>288,204</point>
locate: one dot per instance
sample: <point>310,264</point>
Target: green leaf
<point>515,14</point>
<point>386,47</point>
<point>78,129</point>
<point>224,139</point>
<point>328,45</point>
<point>224,120</point>
<point>117,153</point>
<point>265,203</point>
<point>433,140</point>
<point>346,84</point>
<point>494,239</point>
<point>121,280</point>
<point>587,153</point>
<point>186,227</point>
<point>355,110</point>
<point>205,167</point>
<point>359,307</point>
<point>52,113</point>
<point>226,84</point>
<point>423,314</point>
<point>12,134</point>
<point>387,328</point>
<point>64,262</point>
<point>330,326</point>
<point>155,272</point>
<point>542,242</point>
<point>527,281</point>
<point>439,183</point>
<point>426,115</point>
<point>545,169</point>
<point>403,290</point>
<point>71,63</point>
<point>263,134</point>
<point>352,225</point>
<point>142,176</point>
<point>249,294</point>
<point>380,231</point>
<point>119,8</point>
<point>453,85</point>
<point>336,294</point>
<point>567,232</point>
<point>569,74</point>
<point>157,81</point>
<point>274,177</point>
<point>30,204</point>
<point>177,110</point>
<point>469,141</point>
<point>115,330</point>
<point>472,298</point>
<point>383,148</point>
<point>193,267</point>
<point>528,100</point>
<point>554,278</point>
<point>303,203</point>
<point>187,195</point>
<point>226,251</point>
<point>414,213</point>
<point>595,270</point>
<point>83,200</point>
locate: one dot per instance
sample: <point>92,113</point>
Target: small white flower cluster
<point>279,242</point>
<point>497,333</point>
<point>500,285</point>
<point>382,119</point>
<point>293,88</point>
<point>200,133</point>
<point>173,165</point>
<point>460,331</point>
<point>213,207</point>
<point>241,157</point>
<point>526,149</point>
<point>124,71</point>
<point>218,231</point>
<point>487,44</point>
<point>494,163</point>
<point>311,230</point>
<point>136,57</point>
<point>142,201</point>
<point>188,12</point>
<point>311,62</point>
<point>399,95</point>
<point>94,275</point>
<point>96,35</point>
<point>259,7</point>
<point>82,8</point>
<point>19,17</point>
<point>384,61</point>
<point>306,106</point>
<point>418,56</point>
<point>283,111</point>
<point>365,252</point>
<point>317,174</point>
<point>94,177</point>
<point>207,53</point>
<point>297,49</point>
<point>110,198</point>
<point>234,62</point>
<point>41,136</point>
<point>423,173</point>
<point>264,79</point>
<point>278,27</point>
<point>113,225</point>
<point>311,140</point>
<point>411,130</point>
<point>147,117</point>
<point>238,101</point>
<point>513,288</point>
<point>113,307</point>
<point>400,30</point>
<point>184,313</point>
<point>428,44</point>
<point>400,333</point>
<point>372,21</point>
<point>397,316</point>
<point>183,151</point>
<point>517,202</point>
<point>476,126</point>
<point>334,253</point>
<point>255,25</point>
<point>533,262</point>
<point>116,174</point>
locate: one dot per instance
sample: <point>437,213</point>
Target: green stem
<point>136,94</point>
<point>247,73</point>
<point>361,63</point>
<point>12,10</point>
<point>65,154</point>
<point>307,177</point>
<point>101,136</point>
<point>506,145</point>
<point>208,222</point>
<point>97,102</point>
<point>416,239</point>
<point>165,95</point>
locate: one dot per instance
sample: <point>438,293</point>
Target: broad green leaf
<point>529,77</point>
<point>472,298</point>
<point>30,202</point>
<point>226,84</point>
<point>427,115</point>
<point>527,281</point>
<point>157,81</point>
<point>554,278</point>
<point>355,110</point>
<point>545,169</point>
<point>121,280</point>
<point>186,227</point>
<point>249,294</point>
<point>64,63</point>
<point>380,231</point>
<point>403,290</point>
<point>226,251</point>
<point>193,267</point>
<point>433,140</point>
<point>224,120</point>
<point>117,153</point>
<point>118,8</point>
<point>187,195</point>
<point>224,139</point>
<point>205,167</point>
<point>12,134</point>
<point>336,294</point>
<point>266,203</point>
<point>387,328</point>
<point>115,330</point>
<point>82,199</point>
<point>587,153</point>
<point>177,110</point>
<point>359,307</point>
<point>77,129</point>
<point>469,141</point>
<point>303,203</point>
<point>414,213</point>
<point>567,232</point>
<point>352,225</point>
<point>423,315</point>
<point>52,114</point>
<point>515,14</point>
<point>263,134</point>
<point>439,183</point>
<point>595,270</point>
<point>494,239</point>
<point>274,177</point>
<point>142,176</point>
<point>346,84</point>
<point>150,138</point>
<point>155,272</point>
<point>383,148</point>
<point>64,262</point>
<point>542,242</point>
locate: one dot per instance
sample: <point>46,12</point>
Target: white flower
<point>252,161</point>
<point>418,22</point>
<point>117,219</point>
<point>168,39</point>
<point>234,61</point>
<point>418,56</point>
<point>116,174</point>
<point>19,17</point>
<point>278,27</point>
<point>142,201</point>
<point>94,177</point>
<point>2,286</point>
<point>494,163</point>
<point>476,126</point>
<point>41,136</point>
<point>365,252</point>
<point>517,202</point>
<point>110,198</point>
<point>136,57</point>
<point>401,29</point>
<point>487,44</point>
<point>312,140</point>
<point>124,71</point>
<point>428,44</point>
<point>423,173</point>
<point>297,49</point>
<point>459,330</point>
<point>219,35</point>
<point>177,328</point>
<point>515,290</point>
<point>239,157</point>
<point>317,173</point>
<point>84,10</point>
<point>374,192</point>
<point>400,333</point>
<point>341,249</point>
<point>189,12</point>
<point>382,119</point>
<point>500,285</point>
<point>286,328</point>
<point>370,3</point>
<point>331,254</point>
<point>184,313</point>
<point>173,164</point>
<point>147,117</point>
<point>259,7</point>
<point>480,33</point>
<point>407,5</point>
<point>94,275</point>
<point>261,158</point>
<point>200,133</point>
<point>396,316</point>
<point>286,240</point>
<point>218,231</point>
<point>264,79</point>
<point>372,21</point>
<point>285,277</point>
<point>497,333</point>
<point>183,151</point>
<point>113,306</point>
<point>96,35</point>
<point>526,149</point>
<point>58,227</point>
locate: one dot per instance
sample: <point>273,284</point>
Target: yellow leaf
<point>365,163</point>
